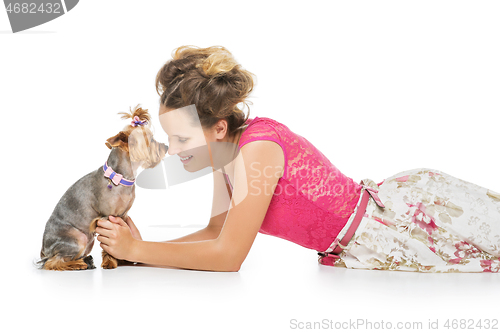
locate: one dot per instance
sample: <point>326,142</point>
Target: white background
<point>378,86</point>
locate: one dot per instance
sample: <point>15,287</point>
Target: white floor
<point>279,288</point>
<point>379,87</point>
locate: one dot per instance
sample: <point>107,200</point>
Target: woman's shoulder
<point>262,128</point>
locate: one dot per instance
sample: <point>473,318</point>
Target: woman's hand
<point>116,237</point>
<point>133,229</point>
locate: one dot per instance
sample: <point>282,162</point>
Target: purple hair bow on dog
<point>137,122</point>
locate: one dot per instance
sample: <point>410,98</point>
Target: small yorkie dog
<point>69,233</point>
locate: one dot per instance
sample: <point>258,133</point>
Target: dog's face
<point>144,148</point>
<point>139,142</point>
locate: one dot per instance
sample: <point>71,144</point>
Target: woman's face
<point>185,138</point>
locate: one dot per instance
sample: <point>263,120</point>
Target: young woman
<point>269,179</point>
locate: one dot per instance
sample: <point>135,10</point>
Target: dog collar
<point>114,177</point>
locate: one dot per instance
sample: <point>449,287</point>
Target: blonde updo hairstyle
<point>211,79</point>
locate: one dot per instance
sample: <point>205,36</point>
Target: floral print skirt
<point>432,222</point>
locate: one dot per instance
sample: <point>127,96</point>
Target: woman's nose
<point>173,150</point>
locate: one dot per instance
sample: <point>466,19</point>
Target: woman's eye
<point>183,140</point>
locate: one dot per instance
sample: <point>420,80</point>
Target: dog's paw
<point>109,265</point>
<point>108,262</point>
<point>89,261</point>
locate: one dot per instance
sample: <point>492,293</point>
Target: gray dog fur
<point>89,198</point>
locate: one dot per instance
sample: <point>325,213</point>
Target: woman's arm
<point>257,171</point>
<point>211,231</point>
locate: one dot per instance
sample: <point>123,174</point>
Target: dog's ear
<point>120,140</point>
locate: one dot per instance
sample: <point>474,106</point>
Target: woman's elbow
<point>223,265</point>
<point>228,260</point>
<point>231,268</point>
<point>230,263</point>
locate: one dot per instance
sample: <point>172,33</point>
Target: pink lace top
<point>313,199</point>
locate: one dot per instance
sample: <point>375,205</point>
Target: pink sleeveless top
<point>313,199</point>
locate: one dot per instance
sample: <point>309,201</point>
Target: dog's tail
<point>40,263</point>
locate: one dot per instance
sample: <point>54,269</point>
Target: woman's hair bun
<point>219,62</point>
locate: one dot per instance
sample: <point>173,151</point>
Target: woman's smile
<point>185,159</point>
